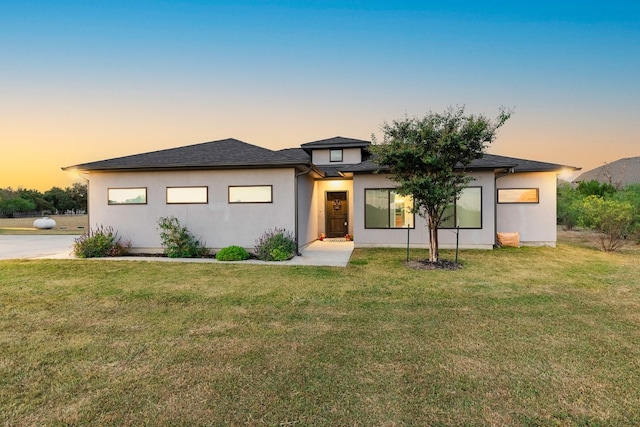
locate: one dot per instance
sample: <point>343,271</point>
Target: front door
<point>337,214</point>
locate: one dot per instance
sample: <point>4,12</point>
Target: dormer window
<point>335,155</point>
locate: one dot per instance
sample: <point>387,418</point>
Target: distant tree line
<point>613,213</point>
<point>56,201</point>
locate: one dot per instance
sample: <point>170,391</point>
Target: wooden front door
<point>337,214</point>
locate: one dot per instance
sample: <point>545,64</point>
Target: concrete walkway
<point>326,253</point>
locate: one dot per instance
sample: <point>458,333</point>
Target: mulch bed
<point>428,265</point>
<point>161,255</point>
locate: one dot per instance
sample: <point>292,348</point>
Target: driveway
<point>33,246</point>
<point>327,253</point>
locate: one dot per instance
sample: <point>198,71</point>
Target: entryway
<point>337,214</point>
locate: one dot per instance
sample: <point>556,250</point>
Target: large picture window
<point>127,196</point>
<point>384,208</point>
<point>518,195</point>
<point>187,195</point>
<point>466,212</point>
<point>251,194</point>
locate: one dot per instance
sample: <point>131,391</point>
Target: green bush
<point>101,242</point>
<point>177,241</point>
<point>276,245</point>
<point>232,253</point>
<point>569,206</point>
<point>631,194</point>
<point>612,219</point>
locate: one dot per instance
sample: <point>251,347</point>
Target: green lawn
<point>530,336</point>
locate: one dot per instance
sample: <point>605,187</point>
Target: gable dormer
<point>337,151</point>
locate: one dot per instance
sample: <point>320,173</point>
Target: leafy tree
<point>16,204</point>
<point>35,196</point>
<point>59,198</point>
<point>426,157</point>
<point>631,194</point>
<point>569,206</point>
<point>611,218</point>
<point>595,188</point>
<point>77,193</point>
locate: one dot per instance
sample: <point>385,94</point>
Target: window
<point>335,155</point>
<point>518,195</point>
<point>384,208</point>
<point>127,196</point>
<point>187,195</point>
<point>467,211</point>
<point>251,194</point>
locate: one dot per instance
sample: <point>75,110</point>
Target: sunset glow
<point>84,81</point>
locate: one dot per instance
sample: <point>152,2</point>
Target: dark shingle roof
<point>335,142</point>
<point>487,162</point>
<point>620,173</point>
<point>226,153</point>
<point>492,161</point>
<point>296,153</point>
<point>232,153</point>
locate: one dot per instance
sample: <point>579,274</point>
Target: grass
<point>529,336</point>
<point>65,224</point>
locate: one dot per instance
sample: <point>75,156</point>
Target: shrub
<point>611,218</point>
<point>569,206</point>
<point>177,241</point>
<point>232,253</point>
<point>101,242</point>
<point>276,245</point>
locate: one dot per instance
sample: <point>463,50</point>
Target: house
<point>619,174</point>
<point>229,192</point>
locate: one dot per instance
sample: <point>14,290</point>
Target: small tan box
<point>509,239</point>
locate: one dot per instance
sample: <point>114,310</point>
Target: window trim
<point>455,213</point>
<point>206,195</point>
<point>389,190</point>
<point>336,150</point>
<point>516,202</point>
<point>249,202</point>
<point>109,189</point>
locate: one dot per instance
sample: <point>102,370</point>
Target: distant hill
<point>619,173</point>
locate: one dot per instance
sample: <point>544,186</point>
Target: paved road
<point>326,253</point>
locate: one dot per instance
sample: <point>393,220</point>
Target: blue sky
<point>87,80</point>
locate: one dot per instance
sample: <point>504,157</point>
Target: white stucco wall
<point>349,156</point>
<point>419,236</point>
<point>307,208</point>
<point>218,223</point>
<point>536,222</point>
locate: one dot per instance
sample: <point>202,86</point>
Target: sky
<point>82,81</point>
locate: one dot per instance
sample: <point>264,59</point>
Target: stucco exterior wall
<point>419,236</point>
<point>349,156</point>
<point>307,208</point>
<point>536,222</point>
<point>218,223</point>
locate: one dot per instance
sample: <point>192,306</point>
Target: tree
<point>78,195</point>
<point>569,206</point>
<point>631,194</point>
<point>59,198</point>
<point>427,157</point>
<point>16,204</point>
<point>36,197</point>
<point>612,219</point>
<point>595,188</point>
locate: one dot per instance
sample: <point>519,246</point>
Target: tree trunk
<point>433,241</point>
